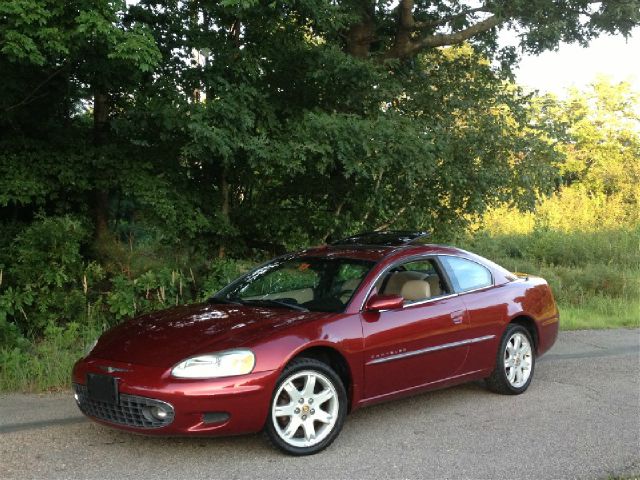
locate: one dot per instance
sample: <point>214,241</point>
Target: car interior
<point>414,281</point>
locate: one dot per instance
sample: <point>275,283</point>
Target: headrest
<point>398,279</point>
<point>415,290</point>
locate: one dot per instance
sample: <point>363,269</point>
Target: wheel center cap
<point>305,409</point>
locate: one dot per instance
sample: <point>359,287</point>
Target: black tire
<point>498,381</point>
<point>296,366</point>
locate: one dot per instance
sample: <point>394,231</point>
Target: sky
<point>572,65</point>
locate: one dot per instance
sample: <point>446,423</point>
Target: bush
<point>44,284</point>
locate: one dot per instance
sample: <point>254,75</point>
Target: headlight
<point>213,365</point>
<point>90,348</point>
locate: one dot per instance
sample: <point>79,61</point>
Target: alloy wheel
<point>305,408</point>
<point>518,360</point>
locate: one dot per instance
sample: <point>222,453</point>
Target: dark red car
<point>297,343</point>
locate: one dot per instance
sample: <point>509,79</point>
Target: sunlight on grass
<point>604,313</point>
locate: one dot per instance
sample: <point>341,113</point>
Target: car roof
<point>376,253</point>
<point>378,245</point>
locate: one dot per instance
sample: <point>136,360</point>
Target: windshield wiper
<point>278,303</point>
<point>231,301</point>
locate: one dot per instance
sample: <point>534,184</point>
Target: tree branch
<point>405,9</point>
<point>443,21</point>
<point>31,96</point>
<point>443,39</point>
<point>406,23</point>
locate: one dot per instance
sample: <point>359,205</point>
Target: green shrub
<point>44,282</point>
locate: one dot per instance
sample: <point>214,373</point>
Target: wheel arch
<point>332,357</point>
<point>530,324</point>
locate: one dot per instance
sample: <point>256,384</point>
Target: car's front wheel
<point>308,408</point>
<point>515,363</point>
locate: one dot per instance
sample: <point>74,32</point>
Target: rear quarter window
<point>465,274</point>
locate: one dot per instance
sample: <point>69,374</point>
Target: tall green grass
<point>46,364</point>
<point>595,276</point>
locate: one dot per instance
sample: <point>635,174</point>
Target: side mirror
<point>377,303</point>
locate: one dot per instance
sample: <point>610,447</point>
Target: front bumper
<point>224,406</point>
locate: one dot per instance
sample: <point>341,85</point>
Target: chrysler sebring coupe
<point>294,345</point>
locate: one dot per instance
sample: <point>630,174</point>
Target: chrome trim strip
<point>430,299</point>
<point>478,289</point>
<point>444,346</point>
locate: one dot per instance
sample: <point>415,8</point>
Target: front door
<point>417,344</point>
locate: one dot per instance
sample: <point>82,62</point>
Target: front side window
<point>308,283</point>
<point>465,274</point>
<point>415,281</point>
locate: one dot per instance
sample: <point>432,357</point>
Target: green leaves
<point>137,47</point>
<point>241,4</point>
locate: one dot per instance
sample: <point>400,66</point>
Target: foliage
<point>599,184</point>
<point>229,123</point>
<point>45,275</point>
<point>45,364</point>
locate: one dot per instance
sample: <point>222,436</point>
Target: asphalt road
<point>579,419</point>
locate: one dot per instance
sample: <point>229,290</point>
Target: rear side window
<point>465,274</point>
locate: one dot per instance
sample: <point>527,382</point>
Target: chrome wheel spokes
<point>518,360</point>
<point>305,408</point>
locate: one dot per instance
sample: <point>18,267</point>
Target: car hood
<point>162,339</point>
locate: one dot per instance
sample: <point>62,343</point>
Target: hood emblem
<point>111,369</point>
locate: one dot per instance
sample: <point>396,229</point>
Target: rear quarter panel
<point>533,298</point>
<point>492,309</point>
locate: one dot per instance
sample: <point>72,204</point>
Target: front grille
<point>131,410</point>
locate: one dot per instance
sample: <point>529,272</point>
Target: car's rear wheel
<point>308,408</point>
<point>515,362</point>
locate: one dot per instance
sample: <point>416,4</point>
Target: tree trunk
<point>359,38</point>
<point>100,198</point>
<point>224,209</point>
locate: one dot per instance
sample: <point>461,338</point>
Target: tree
<point>296,121</point>
<point>409,27</point>
<point>602,143</point>
<point>62,55</point>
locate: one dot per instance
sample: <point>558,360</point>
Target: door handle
<point>457,317</point>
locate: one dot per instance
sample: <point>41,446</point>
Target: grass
<point>599,314</point>
<point>45,365</point>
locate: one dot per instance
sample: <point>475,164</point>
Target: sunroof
<point>392,238</point>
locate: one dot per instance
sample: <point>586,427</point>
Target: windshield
<point>308,283</point>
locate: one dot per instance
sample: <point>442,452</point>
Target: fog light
<point>77,397</point>
<point>159,412</point>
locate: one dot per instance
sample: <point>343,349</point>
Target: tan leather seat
<point>414,290</point>
<point>434,284</point>
<point>398,279</point>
